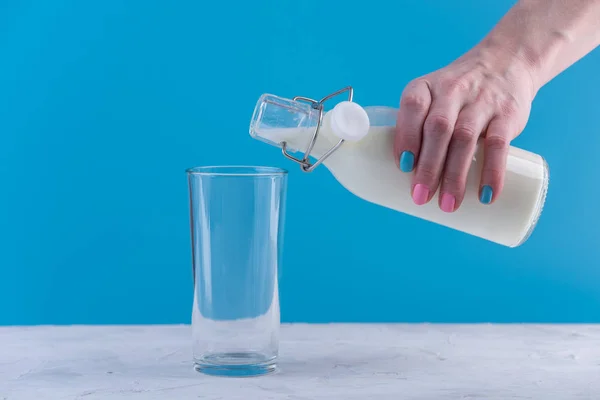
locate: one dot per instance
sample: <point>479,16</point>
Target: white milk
<point>368,170</point>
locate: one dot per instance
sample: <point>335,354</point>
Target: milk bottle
<point>356,145</point>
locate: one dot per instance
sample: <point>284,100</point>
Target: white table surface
<point>429,362</point>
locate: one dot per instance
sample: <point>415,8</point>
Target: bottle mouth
<point>276,119</point>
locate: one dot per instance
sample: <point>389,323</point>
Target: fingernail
<point>486,194</point>
<point>407,161</point>
<point>420,194</point>
<point>448,202</point>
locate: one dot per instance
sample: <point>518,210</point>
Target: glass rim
<point>236,170</point>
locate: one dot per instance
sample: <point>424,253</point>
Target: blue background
<point>103,104</point>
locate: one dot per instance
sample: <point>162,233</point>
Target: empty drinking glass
<point>237,225</point>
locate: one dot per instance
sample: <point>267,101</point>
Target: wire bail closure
<point>305,165</point>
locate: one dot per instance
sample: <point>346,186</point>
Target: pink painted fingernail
<point>448,202</point>
<point>420,194</point>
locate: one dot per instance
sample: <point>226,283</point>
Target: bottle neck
<point>299,138</point>
<point>277,120</point>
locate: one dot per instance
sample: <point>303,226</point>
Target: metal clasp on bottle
<point>317,105</point>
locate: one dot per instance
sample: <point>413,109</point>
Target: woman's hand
<point>484,94</point>
<point>487,93</point>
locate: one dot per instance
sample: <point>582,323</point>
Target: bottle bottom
<point>539,205</point>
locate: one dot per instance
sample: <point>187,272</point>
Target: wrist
<point>546,36</point>
<point>502,61</point>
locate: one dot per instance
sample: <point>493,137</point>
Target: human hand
<point>487,93</point>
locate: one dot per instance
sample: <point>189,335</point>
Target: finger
<point>472,121</point>
<point>437,131</point>
<point>414,105</point>
<point>496,145</point>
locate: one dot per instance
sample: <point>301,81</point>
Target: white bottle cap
<point>349,121</point>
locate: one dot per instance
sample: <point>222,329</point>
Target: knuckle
<point>492,174</point>
<point>488,96</point>
<point>465,135</point>
<point>438,126</point>
<point>453,182</point>
<point>509,107</point>
<point>409,140</point>
<point>496,143</point>
<point>426,173</point>
<point>454,86</point>
<point>414,102</point>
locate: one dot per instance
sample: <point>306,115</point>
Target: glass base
<point>235,364</point>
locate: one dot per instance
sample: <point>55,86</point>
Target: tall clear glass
<point>237,226</point>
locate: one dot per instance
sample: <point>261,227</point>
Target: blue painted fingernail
<point>486,194</point>
<point>407,161</point>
